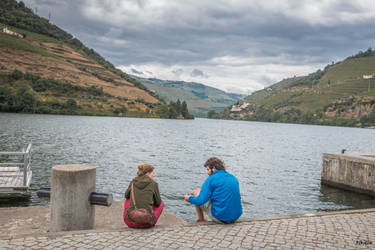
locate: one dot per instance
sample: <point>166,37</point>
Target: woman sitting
<point>146,195</point>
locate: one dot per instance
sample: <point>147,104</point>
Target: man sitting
<point>219,196</point>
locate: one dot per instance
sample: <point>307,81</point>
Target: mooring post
<point>71,186</point>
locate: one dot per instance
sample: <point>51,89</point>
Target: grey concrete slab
<point>17,221</point>
<point>351,229</point>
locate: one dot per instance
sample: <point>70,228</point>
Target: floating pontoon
<point>15,171</point>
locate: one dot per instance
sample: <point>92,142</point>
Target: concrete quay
<point>350,229</point>
<point>351,171</point>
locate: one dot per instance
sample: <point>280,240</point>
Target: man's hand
<point>186,197</point>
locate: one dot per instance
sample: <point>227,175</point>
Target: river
<point>278,165</point>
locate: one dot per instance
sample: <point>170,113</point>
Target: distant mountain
<point>341,94</point>
<point>199,98</point>
<point>44,69</point>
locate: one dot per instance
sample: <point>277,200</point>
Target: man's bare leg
<point>198,209</point>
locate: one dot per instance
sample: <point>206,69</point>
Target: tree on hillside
<point>184,110</point>
<point>162,111</point>
<point>25,101</point>
<point>7,98</point>
<point>16,74</point>
<point>71,104</point>
<point>211,114</point>
<point>368,52</point>
<point>178,106</point>
<point>172,110</point>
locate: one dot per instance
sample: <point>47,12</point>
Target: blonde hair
<point>144,169</point>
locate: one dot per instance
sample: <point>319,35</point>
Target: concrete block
<point>71,186</point>
<point>351,171</point>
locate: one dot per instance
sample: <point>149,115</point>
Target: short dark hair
<point>216,163</point>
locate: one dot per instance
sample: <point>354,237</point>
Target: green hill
<point>336,95</point>
<point>199,98</point>
<point>44,69</point>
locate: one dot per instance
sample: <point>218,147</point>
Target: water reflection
<point>344,199</point>
<point>15,200</point>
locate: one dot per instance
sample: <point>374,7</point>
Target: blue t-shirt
<point>224,191</point>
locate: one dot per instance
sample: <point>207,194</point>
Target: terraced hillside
<point>336,95</point>
<point>43,69</point>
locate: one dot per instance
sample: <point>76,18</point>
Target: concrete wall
<point>351,171</point>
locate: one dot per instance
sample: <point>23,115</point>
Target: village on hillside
<point>238,108</point>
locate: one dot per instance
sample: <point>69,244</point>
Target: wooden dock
<point>15,176</point>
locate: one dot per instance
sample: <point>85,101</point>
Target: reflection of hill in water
<point>347,199</point>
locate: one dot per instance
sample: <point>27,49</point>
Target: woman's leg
<point>198,209</point>
<point>158,210</point>
<point>129,223</point>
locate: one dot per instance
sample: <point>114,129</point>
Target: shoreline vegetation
<point>30,93</point>
<point>296,116</point>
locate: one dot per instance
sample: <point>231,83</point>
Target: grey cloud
<point>178,72</point>
<point>195,35</point>
<point>220,32</point>
<point>136,72</point>
<point>267,80</point>
<point>196,72</point>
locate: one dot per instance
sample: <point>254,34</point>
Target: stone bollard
<point>71,186</point>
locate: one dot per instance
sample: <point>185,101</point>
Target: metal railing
<point>26,164</point>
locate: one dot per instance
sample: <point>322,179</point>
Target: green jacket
<point>146,192</point>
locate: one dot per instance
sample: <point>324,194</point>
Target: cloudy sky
<point>235,45</point>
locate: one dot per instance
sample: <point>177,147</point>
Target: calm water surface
<point>278,165</point>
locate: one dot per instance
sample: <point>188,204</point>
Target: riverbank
<point>349,229</point>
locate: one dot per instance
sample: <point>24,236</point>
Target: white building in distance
<point>12,33</point>
<point>236,108</point>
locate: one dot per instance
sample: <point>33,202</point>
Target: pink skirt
<point>157,212</point>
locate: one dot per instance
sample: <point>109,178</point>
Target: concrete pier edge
<point>350,171</point>
<point>52,235</point>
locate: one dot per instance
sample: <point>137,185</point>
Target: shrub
<point>16,74</point>
<point>31,77</point>
<point>211,114</point>
<point>140,100</point>
<point>71,104</point>
<point>40,85</point>
<point>119,110</point>
<point>25,101</point>
<point>7,98</point>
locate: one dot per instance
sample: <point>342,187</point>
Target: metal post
<point>26,159</point>
<point>24,169</point>
<point>368,88</point>
<point>101,199</point>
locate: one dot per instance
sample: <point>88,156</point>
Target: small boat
<point>15,172</point>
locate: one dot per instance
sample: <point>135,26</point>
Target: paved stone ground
<point>340,230</point>
<point>35,220</point>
